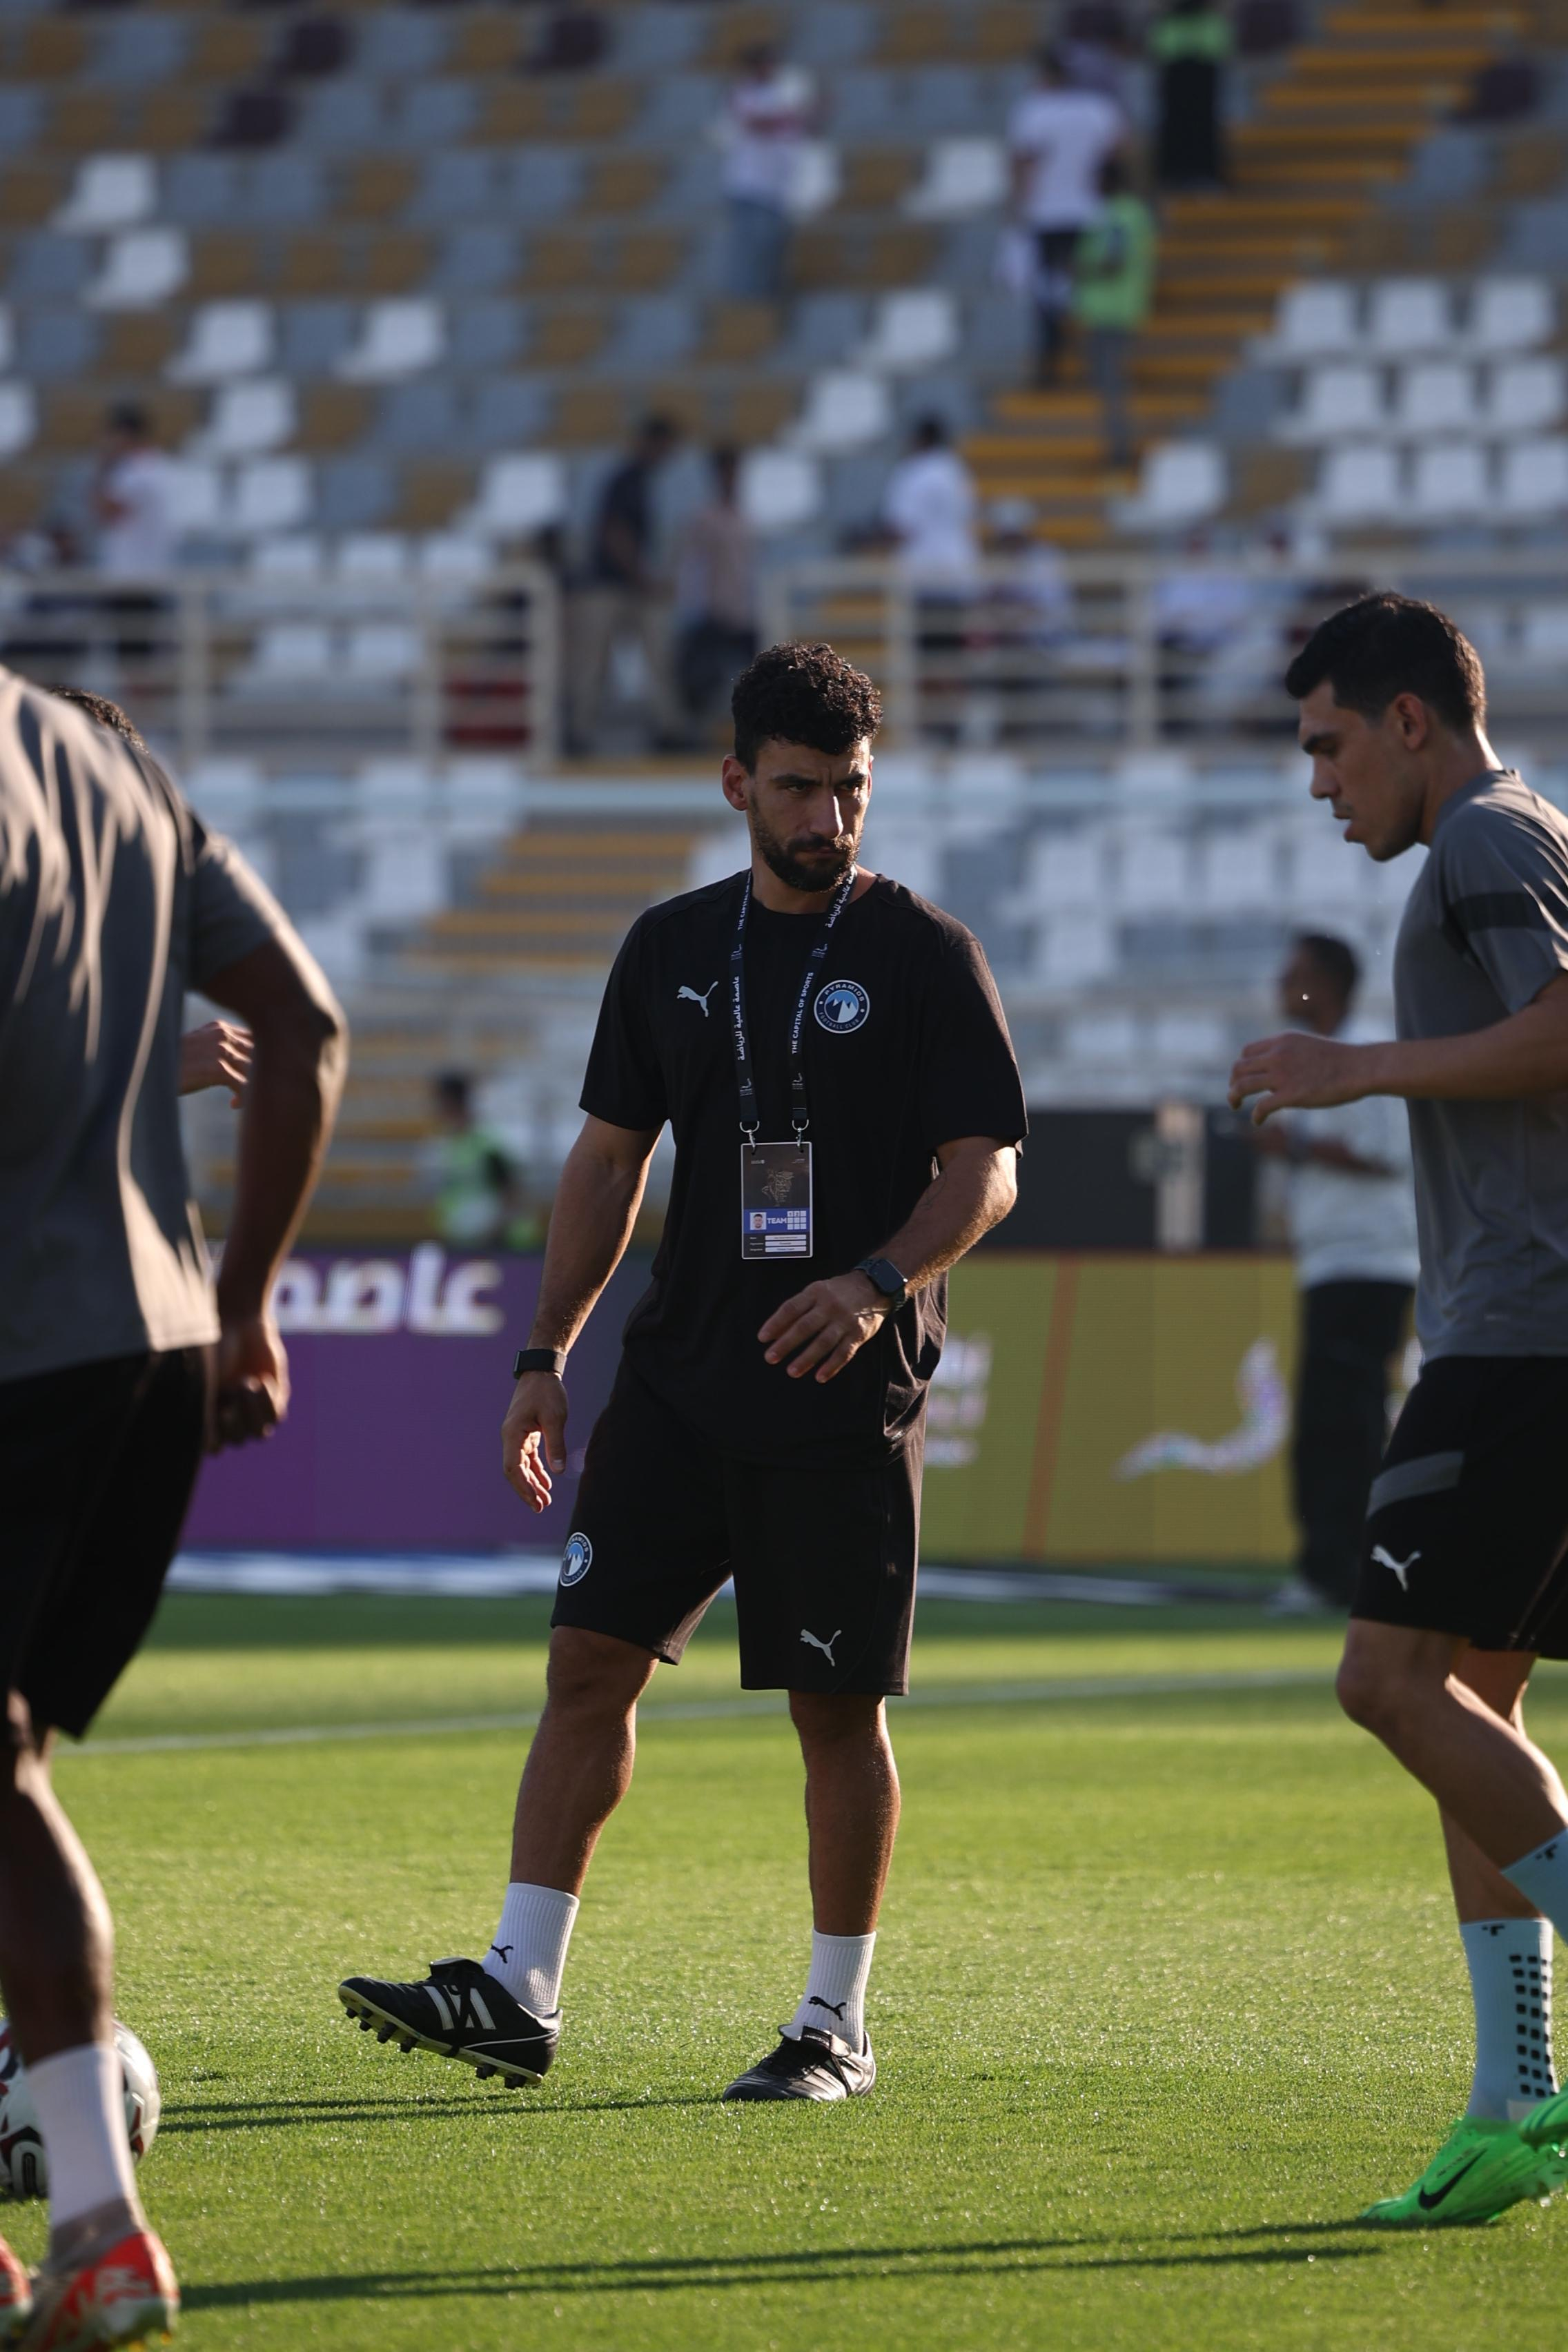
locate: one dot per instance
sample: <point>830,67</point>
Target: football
<point>23,2169</point>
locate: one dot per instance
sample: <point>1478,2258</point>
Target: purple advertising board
<point>401,1368</point>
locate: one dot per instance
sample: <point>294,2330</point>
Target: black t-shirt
<point>625,501</point>
<point>928,1061</point>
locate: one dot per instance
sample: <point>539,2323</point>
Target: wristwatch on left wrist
<point>539,1360</point>
<point>884,1276</point>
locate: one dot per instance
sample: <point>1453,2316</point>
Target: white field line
<point>1061,1692</point>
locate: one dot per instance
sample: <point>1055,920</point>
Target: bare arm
<point>976,1185</point>
<point>1527,1054</point>
<point>299,1056</point>
<point>595,1207</point>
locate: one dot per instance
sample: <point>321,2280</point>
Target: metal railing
<point>215,664</point>
<point>1097,654</point>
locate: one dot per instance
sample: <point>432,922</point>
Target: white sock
<point>80,2095</point>
<point>836,1989</point>
<point>529,1955</point>
<point>1511,1977</point>
<point>1542,1878</point>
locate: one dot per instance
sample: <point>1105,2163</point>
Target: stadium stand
<point>392,283</point>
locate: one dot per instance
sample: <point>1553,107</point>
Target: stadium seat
<point>1409,315</point>
<point>1524,396</point>
<point>1510,314</point>
<point>1434,396</point>
<point>1532,477</point>
<point>844,409</point>
<point>1063,871</point>
<point>1073,951</point>
<point>226,339</point>
<point>780,490</point>
<point>1154,876</point>
<point>1103,1040</point>
<point>1358,483</point>
<point>286,654</point>
<point>1450,479</point>
<point>271,494</point>
<point>196,498</point>
<point>288,556</point>
<point>1235,869</point>
<point>369,557</point>
<point>450,555</point>
<point>1315,318</point>
<point>397,338</point>
<point>1335,400</point>
<point>911,332</point>
<point>111,192</point>
<point>1185,1040</point>
<point>1543,633</point>
<point>381,652</point>
<point>519,495</point>
<point>962,176</point>
<point>1183,482</point>
<point>18,417</point>
<point>141,267</point>
<point>248,418</point>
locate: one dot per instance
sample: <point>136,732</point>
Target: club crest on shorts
<point>842,1005</point>
<point>577,1558</point>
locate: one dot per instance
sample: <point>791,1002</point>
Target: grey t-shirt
<point>1485,928</point>
<point>113,901</point>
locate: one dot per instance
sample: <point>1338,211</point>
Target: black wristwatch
<point>885,1276</point>
<point>539,1360</point>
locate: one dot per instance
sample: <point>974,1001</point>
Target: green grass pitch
<point>1167,1989</point>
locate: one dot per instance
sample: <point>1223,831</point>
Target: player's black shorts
<point>823,1559</point>
<point>97,1463</point>
<point>1467,1524</point>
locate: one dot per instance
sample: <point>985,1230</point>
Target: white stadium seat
<point>1102,1039</point>
<point>1155,875</point>
<point>225,340</point>
<point>1510,314</point>
<point>1409,315</point>
<point>1524,396</point>
<point>1543,636</point>
<point>291,652</point>
<point>1063,871</point>
<point>1359,483</point>
<point>911,331</point>
<point>1236,870</point>
<point>289,556</point>
<point>248,417</point>
<point>1336,399</point>
<point>1074,950</point>
<point>18,417</point>
<point>1450,478</point>
<point>452,555</point>
<point>195,496</point>
<point>1183,482</point>
<point>111,192</point>
<point>141,267</point>
<point>397,338</point>
<point>368,556</point>
<point>1532,477</point>
<point>520,494</point>
<point>383,652</point>
<point>1315,319</point>
<point>844,409</point>
<point>1436,396</point>
<point>962,176</point>
<point>780,490</point>
<point>271,494</point>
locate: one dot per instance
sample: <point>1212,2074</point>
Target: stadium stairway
<point>1328,136</point>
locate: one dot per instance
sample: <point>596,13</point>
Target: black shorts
<point>824,1560</point>
<point>1467,1524</point>
<point>97,1463</point>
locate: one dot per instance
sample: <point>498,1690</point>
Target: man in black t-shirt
<point>622,595</point>
<point>831,1056</point>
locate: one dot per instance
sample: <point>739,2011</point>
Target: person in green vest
<point>1190,46</point>
<point>1113,287</point>
<point>478,1203</point>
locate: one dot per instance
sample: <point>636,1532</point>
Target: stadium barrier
<point>1098,1409</point>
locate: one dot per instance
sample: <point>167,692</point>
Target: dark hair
<point>129,416</point>
<point>1050,57</point>
<point>931,432</point>
<point>1386,645</point>
<point>802,694</point>
<point>453,1086</point>
<point>1338,961</point>
<point>656,426</point>
<point>99,708</point>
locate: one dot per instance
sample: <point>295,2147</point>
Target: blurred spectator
<point>623,593</point>
<point>764,134</point>
<point>1352,1229</point>
<point>1197,605</point>
<point>478,1203</point>
<point>929,506</point>
<point>1037,586</point>
<point>1190,45</point>
<point>1114,268</point>
<point>716,592</point>
<point>1059,137</point>
<point>134,498</point>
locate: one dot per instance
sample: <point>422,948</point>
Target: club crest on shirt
<point>842,1005</point>
<point>577,1558</point>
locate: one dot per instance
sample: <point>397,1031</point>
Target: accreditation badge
<point>775,1200</point>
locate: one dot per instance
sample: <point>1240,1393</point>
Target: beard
<point>822,868</point>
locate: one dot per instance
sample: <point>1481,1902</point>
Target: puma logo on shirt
<point>689,996</point>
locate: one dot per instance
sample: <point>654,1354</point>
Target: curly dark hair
<point>1386,645</point>
<point>99,706</point>
<point>803,694</point>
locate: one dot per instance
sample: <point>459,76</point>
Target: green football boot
<point>1482,2168</point>
<point>1546,2126</point>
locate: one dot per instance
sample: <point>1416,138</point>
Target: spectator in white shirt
<point>764,134</point>
<point>133,500</point>
<point>1058,136</point>
<point>930,507</point>
<point>1351,1212</point>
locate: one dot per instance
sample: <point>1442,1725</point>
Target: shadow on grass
<point>273,2114</point>
<point>826,2265</point>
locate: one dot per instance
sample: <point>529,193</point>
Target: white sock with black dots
<point>835,1998</point>
<point>529,1955</point>
<point>1511,1977</point>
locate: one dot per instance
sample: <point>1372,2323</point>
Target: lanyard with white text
<point>800,1117</point>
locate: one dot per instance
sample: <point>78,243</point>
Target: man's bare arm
<point>595,1208</point>
<point>1527,1054</point>
<point>299,1059</point>
<point>976,1185</point>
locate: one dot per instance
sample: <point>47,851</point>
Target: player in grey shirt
<point>114,1349</point>
<point>1462,1583</point>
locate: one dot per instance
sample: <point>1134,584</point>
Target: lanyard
<point>799,1116</point>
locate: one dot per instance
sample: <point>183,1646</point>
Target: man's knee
<point>19,1748</point>
<point>837,1718</point>
<point>596,1674</point>
<point>1390,1677</point>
